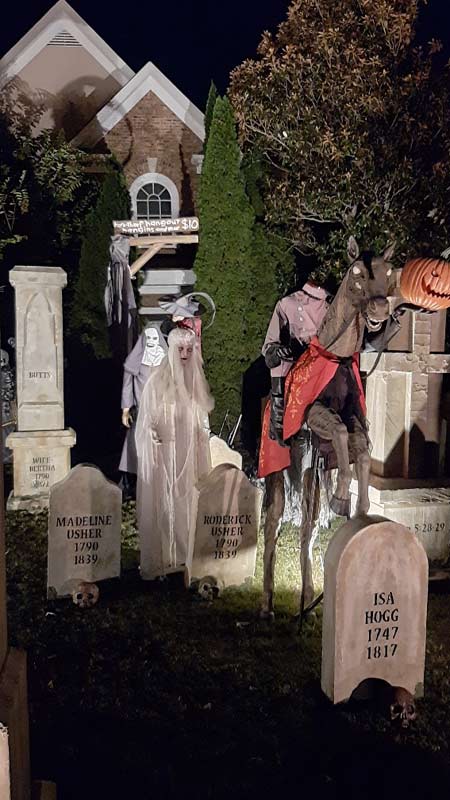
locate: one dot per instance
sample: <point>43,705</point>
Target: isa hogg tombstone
<point>375,605</point>
<point>84,530</point>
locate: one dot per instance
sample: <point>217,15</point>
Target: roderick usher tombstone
<point>223,543</point>
<point>375,605</point>
<point>84,528</point>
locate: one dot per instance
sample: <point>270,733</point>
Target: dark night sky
<point>190,41</point>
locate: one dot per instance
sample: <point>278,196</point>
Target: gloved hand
<point>277,411</point>
<point>276,352</point>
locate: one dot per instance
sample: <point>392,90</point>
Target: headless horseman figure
<point>295,320</point>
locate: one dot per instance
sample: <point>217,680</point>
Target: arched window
<point>153,202</point>
<point>154,196</point>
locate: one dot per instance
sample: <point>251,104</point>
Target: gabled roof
<point>148,79</point>
<point>62,25</point>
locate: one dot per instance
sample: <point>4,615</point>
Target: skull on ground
<point>208,589</point>
<point>86,594</point>
<point>403,709</point>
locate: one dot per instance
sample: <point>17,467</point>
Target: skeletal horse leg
<point>310,513</point>
<point>362,462</point>
<point>329,426</point>
<point>274,514</point>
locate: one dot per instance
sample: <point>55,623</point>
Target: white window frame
<point>155,177</point>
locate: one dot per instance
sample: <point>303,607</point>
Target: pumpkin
<point>426,283</point>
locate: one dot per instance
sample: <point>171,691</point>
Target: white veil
<point>172,440</point>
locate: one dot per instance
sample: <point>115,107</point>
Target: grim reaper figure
<point>172,439</point>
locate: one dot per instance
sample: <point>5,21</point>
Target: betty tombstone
<point>375,605</point>
<point>84,530</point>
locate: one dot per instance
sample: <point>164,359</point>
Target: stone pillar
<point>406,430</point>
<point>41,446</point>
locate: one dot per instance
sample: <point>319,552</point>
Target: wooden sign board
<point>147,227</point>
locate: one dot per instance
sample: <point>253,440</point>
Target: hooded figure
<point>148,353</point>
<point>172,439</point>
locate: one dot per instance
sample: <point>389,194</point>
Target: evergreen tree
<point>237,263</point>
<point>210,103</point>
<point>88,317</point>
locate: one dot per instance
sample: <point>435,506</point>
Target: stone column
<point>41,446</point>
<point>406,430</point>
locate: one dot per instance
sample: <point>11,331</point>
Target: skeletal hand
<point>400,310</point>
<point>127,419</point>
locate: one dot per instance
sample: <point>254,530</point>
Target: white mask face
<point>151,337</point>
<point>4,358</point>
<point>153,352</point>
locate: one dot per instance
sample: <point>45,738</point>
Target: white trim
<point>62,17</point>
<point>155,177</point>
<point>148,79</point>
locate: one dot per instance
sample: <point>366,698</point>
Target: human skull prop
<point>86,595</point>
<point>4,359</point>
<point>403,709</point>
<point>208,589</point>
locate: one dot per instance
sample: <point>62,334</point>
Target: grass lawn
<point>155,693</point>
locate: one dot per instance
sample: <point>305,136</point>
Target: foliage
<point>136,692</point>
<point>236,263</point>
<point>209,111</point>
<point>43,185</point>
<point>88,318</point>
<point>352,123</point>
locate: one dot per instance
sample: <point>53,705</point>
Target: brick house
<point>103,106</point>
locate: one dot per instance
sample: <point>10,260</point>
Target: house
<point>88,91</point>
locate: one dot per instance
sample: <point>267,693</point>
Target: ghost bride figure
<point>172,438</point>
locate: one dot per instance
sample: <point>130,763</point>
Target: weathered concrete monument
<point>375,608</point>
<point>404,396</point>
<point>41,446</point>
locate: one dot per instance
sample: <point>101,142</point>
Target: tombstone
<point>222,454</point>
<point>84,530</point>
<point>375,607</point>
<point>227,511</point>
<point>41,447</point>
<point>409,437</point>
<point>4,764</point>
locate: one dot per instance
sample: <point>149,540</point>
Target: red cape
<point>306,380</point>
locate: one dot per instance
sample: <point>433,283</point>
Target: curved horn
<point>210,301</point>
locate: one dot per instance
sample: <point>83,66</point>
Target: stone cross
<point>375,608</point>
<point>404,395</point>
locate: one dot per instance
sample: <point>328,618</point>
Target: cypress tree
<point>210,103</point>
<point>88,318</point>
<point>237,263</point>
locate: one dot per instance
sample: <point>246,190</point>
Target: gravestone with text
<point>375,607</point>
<point>84,530</point>
<point>221,453</point>
<point>223,543</point>
<point>41,446</point>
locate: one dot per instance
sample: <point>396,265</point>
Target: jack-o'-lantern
<point>426,283</point>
